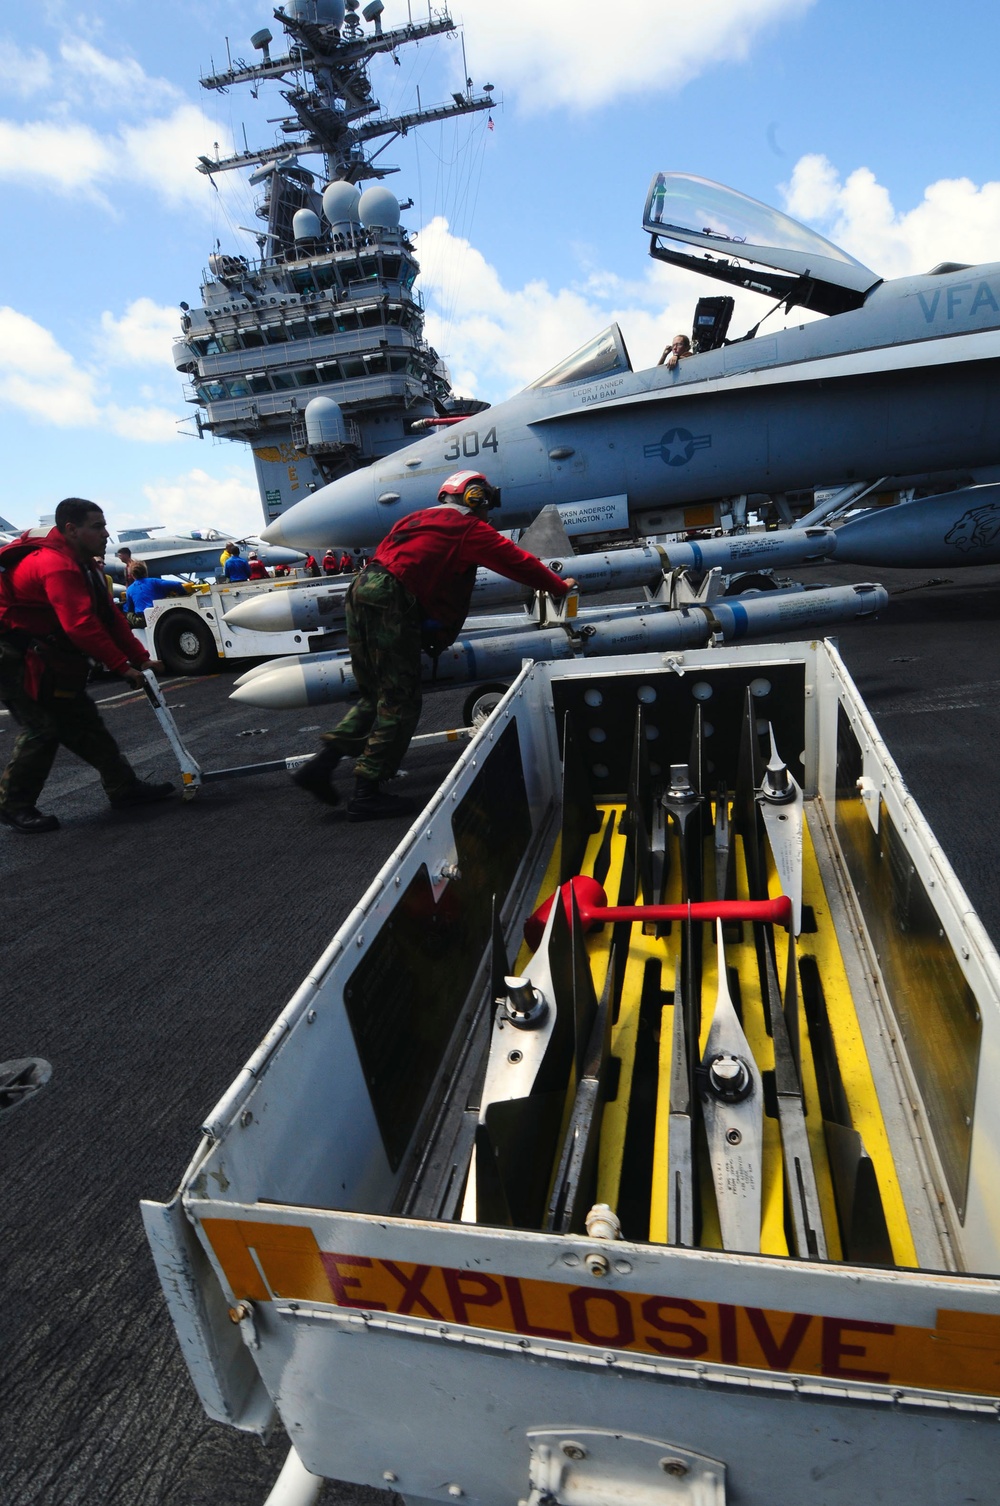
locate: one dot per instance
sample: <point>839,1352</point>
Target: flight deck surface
<point>152,953</point>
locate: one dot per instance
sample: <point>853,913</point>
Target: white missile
<point>319,606</point>
<point>265,669</point>
<point>320,679</point>
<point>308,608</point>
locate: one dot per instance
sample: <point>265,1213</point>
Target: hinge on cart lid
<point>594,1466</point>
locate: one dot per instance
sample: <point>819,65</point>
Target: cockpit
<point>750,245</point>
<point>603,356</point>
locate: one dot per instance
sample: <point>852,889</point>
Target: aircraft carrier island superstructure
<point>314,353</point>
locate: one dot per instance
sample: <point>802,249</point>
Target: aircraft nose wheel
<point>481,703</point>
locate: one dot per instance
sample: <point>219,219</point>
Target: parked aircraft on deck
<point>189,554</point>
<point>898,387</point>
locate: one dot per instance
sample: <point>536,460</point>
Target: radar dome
<point>325,422</point>
<point>306,225</point>
<point>323,12</point>
<point>340,203</point>
<point>379,209</point>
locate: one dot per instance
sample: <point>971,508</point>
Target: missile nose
<point>342,513</point>
<point>274,555</point>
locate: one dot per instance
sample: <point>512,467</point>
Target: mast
<point>314,354</point>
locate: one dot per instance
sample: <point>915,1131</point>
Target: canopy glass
<point>605,355</point>
<point>681,201</point>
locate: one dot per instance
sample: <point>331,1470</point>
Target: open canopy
<point>786,260</point>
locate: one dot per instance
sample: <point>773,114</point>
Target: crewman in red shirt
<point>414,593</point>
<point>56,618</point>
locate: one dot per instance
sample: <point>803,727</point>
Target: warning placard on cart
<point>961,1353</point>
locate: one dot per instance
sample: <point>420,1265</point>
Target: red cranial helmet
<point>470,488</point>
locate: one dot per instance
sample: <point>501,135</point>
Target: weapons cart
<point>696,1204</point>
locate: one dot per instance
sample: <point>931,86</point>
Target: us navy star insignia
<point>677,446</point>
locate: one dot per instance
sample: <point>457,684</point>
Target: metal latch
<point>869,792</point>
<point>592,1466</point>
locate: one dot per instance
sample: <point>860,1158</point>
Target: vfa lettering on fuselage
<point>960,300</point>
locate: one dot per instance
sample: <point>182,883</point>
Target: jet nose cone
<point>342,513</point>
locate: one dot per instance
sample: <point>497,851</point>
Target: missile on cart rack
<point>319,606</point>
<point>320,679</point>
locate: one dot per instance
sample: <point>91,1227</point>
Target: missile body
<point>319,606</point>
<point>310,608</point>
<point>320,679</point>
<point>751,551</point>
<point>953,529</point>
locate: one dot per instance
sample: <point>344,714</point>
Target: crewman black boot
<point>314,776</point>
<point>30,822</point>
<point>370,802</point>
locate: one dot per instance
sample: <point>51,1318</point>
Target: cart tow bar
<point>193,776</point>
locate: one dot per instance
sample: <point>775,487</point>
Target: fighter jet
<point>897,387</point>
<point>188,553</point>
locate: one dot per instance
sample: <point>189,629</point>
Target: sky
<point>874,122</point>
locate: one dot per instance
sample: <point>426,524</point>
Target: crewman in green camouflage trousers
<point>380,617</point>
<point>414,594</point>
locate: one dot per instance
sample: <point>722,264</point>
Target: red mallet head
<point>589,896</point>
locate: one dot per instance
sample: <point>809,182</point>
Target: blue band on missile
<point>698,557</point>
<point>741,622</point>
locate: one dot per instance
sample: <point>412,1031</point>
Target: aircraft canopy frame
<point>735,229</point>
<point>602,356</point>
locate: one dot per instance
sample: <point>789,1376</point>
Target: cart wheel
<point>480,702</point>
<point>751,581</point>
<point>185,644</point>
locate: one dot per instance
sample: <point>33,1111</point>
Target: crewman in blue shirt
<point>144,590</point>
<point>236,567</point>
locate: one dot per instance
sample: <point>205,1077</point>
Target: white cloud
<point>71,159</point>
<point>146,425</point>
<point>955,220</point>
<point>74,159</point>
<point>41,379</point>
<point>497,339</point>
<point>117,82</point>
<point>23,73</point>
<point>64,152</point>
<point>163,154</point>
<point>577,54</point>
<point>197,500</point>
<point>143,336</point>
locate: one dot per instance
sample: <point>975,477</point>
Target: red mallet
<point>592,903</point>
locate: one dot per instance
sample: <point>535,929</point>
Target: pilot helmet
<point>471,488</point>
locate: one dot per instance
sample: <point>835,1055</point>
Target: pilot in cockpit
<point>677,350</point>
